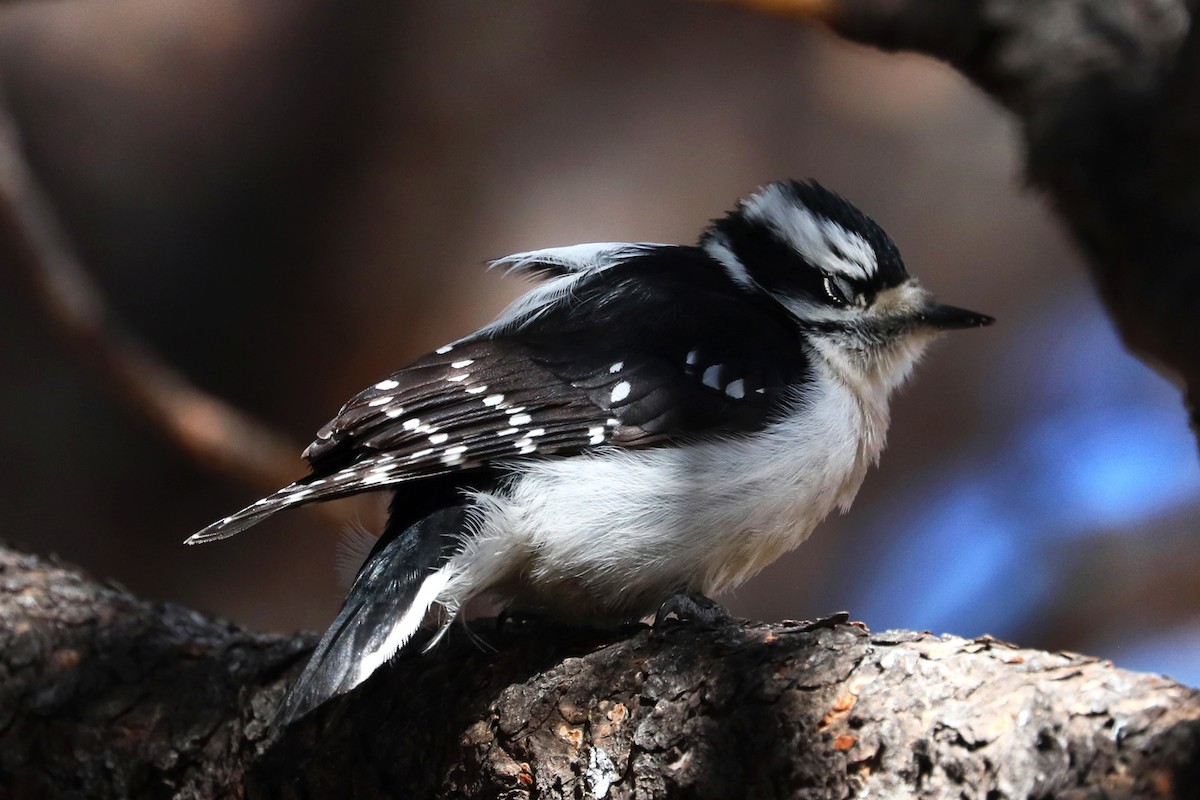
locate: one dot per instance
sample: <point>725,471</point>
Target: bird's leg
<point>691,606</point>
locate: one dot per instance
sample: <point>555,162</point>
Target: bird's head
<point>838,274</point>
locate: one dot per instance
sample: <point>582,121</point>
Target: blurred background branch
<point>203,427</point>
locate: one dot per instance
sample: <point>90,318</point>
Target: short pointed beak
<point>943,317</point>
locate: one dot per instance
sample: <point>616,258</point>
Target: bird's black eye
<point>839,290</point>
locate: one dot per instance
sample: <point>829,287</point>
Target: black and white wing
<point>629,356</point>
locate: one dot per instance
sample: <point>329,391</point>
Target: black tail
<point>395,587</point>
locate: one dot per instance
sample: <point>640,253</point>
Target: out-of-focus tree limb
<point>1108,94</point>
<point>204,427</point>
<point>104,695</point>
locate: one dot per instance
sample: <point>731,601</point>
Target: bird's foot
<point>691,606</point>
<point>517,617</point>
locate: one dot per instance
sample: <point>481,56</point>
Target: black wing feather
<point>636,358</point>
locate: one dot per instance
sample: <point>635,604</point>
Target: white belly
<point>610,535</point>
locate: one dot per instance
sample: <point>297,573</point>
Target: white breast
<point>609,535</point>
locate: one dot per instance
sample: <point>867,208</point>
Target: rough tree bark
<point>104,695</point>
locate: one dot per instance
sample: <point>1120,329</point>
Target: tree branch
<point>129,698</point>
<point>207,429</point>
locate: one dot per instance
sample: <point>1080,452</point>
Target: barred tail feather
<point>393,592</point>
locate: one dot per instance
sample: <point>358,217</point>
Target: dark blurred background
<point>289,199</point>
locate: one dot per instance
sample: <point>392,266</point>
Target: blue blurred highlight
<point>1104,446</point>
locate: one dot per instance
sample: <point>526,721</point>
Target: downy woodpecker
<point>651,425</point>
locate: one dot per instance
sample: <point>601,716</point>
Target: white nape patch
<point>446,348</point>
<point>480,389</point>
<point>380,401</point>
<point>493,400</point>
<point>620,391</point>
<point>406,626</point>
<point>520,419</point>
<point>466,362</point>
<point>819,240</point>
<point>712,377</point>
<point>439,438</point>
<point>736,389</point>
<point>392,413</point>
<point>617,367</point>
<point>387,386</point>
<point>718,249</point>
<point>412,424</point>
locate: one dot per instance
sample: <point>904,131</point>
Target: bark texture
<point>103,695</point>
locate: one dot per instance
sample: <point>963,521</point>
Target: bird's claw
<point>691,606</point>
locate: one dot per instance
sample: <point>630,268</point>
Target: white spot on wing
<point>712,376</point>
<point>392,413</point>
<point>462,376</point>
<point>412,424</point>
<point>380,401</point>
<point>480,389</point>
<point>387,386</point>
<point>520,419</point>
<point>441,351</point>
<point>620,391</point>
<point>617,367</point>
<point>466,362</point>
<point>438,438</point>
<point>736,389</point>
<point>493,400</point>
